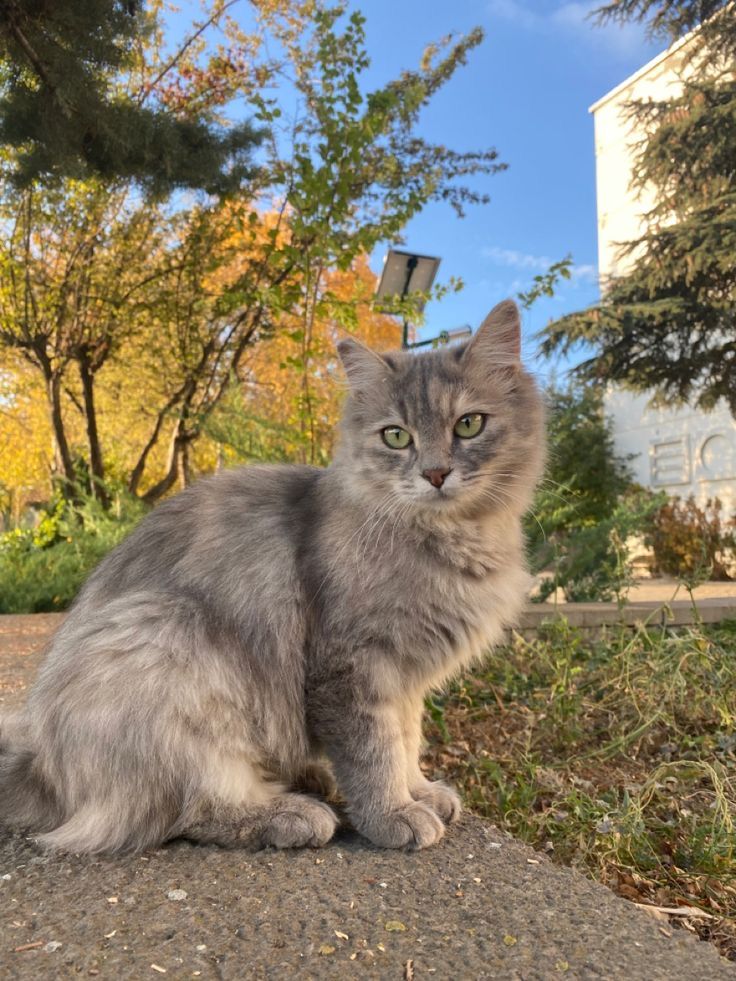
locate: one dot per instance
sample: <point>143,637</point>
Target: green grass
<point>615,755</point>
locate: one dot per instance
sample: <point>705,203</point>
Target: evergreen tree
<point>668,325</point>
<point>66,111</point>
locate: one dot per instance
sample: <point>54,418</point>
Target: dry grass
<point>617,756</point>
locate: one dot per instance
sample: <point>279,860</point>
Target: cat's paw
<point>303,822</point>
<point>443,800</point>
<point>413,826</point>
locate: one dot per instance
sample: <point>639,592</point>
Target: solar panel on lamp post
<point>405,273</point>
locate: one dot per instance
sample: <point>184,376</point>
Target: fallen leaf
<point>561,965</point>
<point>409,971</point>
<point>395,926</point>
<point>109,936</point>
<point>326,949</point>
<point>509,940</point>
<point>674,910</point>
<point>341,935</point>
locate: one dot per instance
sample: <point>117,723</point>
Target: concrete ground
<point>478,905</point>
<point>662,590</point>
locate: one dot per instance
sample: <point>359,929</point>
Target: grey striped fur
<point>273,625</point>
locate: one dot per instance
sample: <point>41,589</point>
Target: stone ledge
<point>593,616</point>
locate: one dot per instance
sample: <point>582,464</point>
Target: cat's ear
<point>498,339</point>
<point>363,367</point>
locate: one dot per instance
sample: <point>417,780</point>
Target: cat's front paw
<point>299,822</point>
<point>413,826</point>
<point>443,800</point>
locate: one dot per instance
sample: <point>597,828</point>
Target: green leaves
<point>544,284</point>
<point>667,325</point>
<point>68,107</point>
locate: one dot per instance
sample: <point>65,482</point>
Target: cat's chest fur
<point>427,600</point>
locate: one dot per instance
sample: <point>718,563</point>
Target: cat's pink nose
<point>436,477</point>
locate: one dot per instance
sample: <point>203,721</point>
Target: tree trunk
<point>96,465</point>
<point>138,469</point>
<point>63,462</point>
<point>173,469</point>
<point>185,470</point>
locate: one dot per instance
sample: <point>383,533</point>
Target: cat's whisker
<point>381,520</point>
<point>504,504</point>
<point>335,562</point>
<point>399,517</point>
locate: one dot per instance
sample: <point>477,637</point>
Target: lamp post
<point>445,336</point>
<point>404,273</point>
<point>407,272</point>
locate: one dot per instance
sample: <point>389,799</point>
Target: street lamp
<point>404,273</point>
<point>446,336</point>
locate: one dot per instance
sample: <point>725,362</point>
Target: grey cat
<point>270,617</point>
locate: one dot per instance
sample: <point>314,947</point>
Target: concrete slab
<point>478,905</point>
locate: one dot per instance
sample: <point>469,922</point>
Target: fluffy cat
<point>270,617</point>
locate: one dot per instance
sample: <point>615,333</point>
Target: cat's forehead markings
<point>465,400</point>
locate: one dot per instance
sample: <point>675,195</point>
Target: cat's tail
<point>27,801</point>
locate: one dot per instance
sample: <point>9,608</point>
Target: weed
<point>615,755</point>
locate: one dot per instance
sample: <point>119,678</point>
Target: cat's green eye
<point>469,425</point>
<point>396,437</point>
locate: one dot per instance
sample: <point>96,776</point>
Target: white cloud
<point>585,272</point>
<point>572,18</point>
<point>518,260</point>
<point>514,11</point>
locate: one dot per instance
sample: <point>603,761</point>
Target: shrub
<point>689,541</point>
<point>592,563</point>
<point>42,568</point>
<point>586,507</point>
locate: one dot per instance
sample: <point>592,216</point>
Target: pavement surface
<point>663,589</point>
<point>478,905</point>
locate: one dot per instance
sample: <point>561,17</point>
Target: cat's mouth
<point>437,495</point>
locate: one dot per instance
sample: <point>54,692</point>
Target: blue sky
<point>525,91</point>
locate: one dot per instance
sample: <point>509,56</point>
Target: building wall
<point>683,451</point>
<point>680,451</point>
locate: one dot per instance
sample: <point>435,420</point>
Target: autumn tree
<point>667,325</point>
<point>26,444</point>
<point>184,294</point>
<point>266,415</point>
<point>76,263</point>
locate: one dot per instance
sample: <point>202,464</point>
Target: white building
<point>683,451</point>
